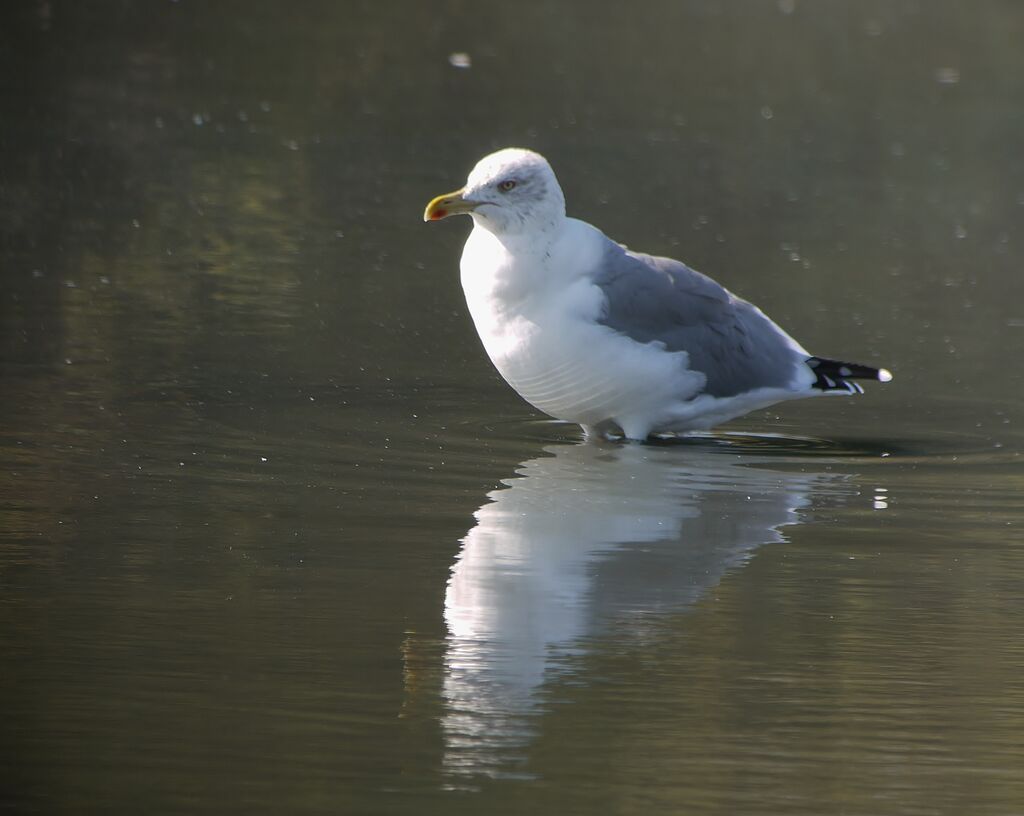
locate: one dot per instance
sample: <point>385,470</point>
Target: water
<point>274,538</point>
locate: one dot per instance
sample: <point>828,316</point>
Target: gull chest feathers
<point>529,300</point>
<point>537,311</point>
<point>616,341</point>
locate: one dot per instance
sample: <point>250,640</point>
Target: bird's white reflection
<point>585,538</point>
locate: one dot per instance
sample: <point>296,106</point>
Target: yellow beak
<point>448,204</point>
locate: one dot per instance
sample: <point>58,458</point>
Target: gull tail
<point>834,375</point>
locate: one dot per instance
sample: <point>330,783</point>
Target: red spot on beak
<point>437,215</point>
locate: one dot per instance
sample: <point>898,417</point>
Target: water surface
<point>274,537</point>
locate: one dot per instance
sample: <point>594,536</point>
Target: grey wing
<point>728,339</point>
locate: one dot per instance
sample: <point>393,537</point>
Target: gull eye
<point>506,185</point>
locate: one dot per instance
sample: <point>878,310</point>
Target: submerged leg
<point>601,431</point>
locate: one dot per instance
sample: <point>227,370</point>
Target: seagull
<point>623,343</point>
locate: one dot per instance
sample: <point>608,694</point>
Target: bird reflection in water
<point>586,538</point>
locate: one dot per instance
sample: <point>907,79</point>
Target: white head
<point>508,192</point>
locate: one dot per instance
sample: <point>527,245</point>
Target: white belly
<point>537,314</point>
<point>575,369</point>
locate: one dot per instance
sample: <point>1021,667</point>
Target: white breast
<point>536,311</point>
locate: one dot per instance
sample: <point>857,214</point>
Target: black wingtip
<point>835,375</point>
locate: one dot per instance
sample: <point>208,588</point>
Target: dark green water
<point>274,537</point>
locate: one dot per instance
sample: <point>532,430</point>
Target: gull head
<point>508,192</point>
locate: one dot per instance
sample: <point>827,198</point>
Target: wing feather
<point>652,299</point>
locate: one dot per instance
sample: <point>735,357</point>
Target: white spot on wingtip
<point>884,375</point>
